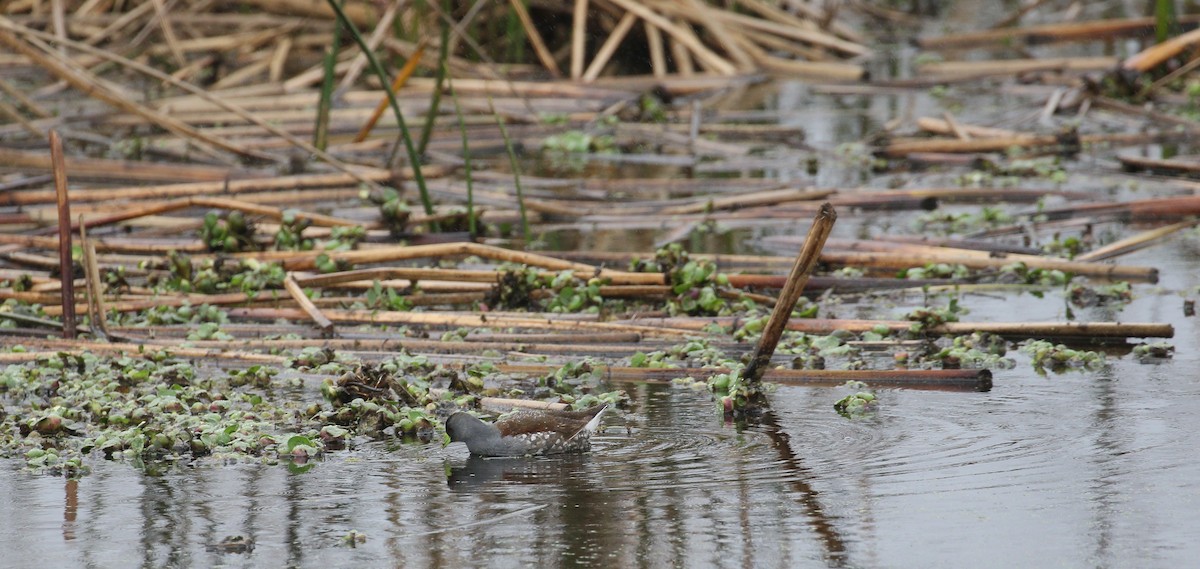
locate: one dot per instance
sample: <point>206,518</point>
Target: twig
<point>326,325</point>
<point>66,272</point>
<point>806,260</point>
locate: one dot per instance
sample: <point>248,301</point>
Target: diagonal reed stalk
<point>377,69</point>
<point>467,172</point>
<point>435,101</point>
<point>325,103</point>
<point>516,169</point>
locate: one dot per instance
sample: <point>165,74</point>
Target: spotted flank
<point>527,432</point>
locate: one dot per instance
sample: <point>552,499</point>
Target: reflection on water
<point>1076,471</point>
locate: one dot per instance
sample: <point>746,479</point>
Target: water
<point>1074,470</point>
<point>1083,469</point>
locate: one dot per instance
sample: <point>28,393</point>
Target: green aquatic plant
<point>1058,357</point>
<point>925,318</point>
<point>936,271</point>
<point>976,350</point>
<point>228,233</point>
<point>290,237</point>
<point>1153,352</point>
<point>859,405</point>
<point>1118,293</point>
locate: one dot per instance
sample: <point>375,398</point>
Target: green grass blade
<point>462,128</point>
<point>377,69</point>
<point>435,102</point>
<point>321,129</point>
<point>516,170</point>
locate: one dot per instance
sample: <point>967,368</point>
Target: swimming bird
<point>527,432</point>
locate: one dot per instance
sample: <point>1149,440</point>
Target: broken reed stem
<point>806,260</point>
<point>65,266</point>
<point>1062,331</point>
<point>205,95</point>
<point>95,290</point>
<point>297,293</point>
<point>405,72</point>
<point>413,158</point>
<point>1134,242</point>
<point>535,38</point>
<point>94,87</point>
<point>970,379</point>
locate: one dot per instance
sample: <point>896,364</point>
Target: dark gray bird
<point>527,432</point>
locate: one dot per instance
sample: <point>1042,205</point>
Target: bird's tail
<point>595,422</point>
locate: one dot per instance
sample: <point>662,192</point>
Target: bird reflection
<point>476,471</point>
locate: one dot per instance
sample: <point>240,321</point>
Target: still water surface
<point>1078,470</point>
<point>1085,469</point>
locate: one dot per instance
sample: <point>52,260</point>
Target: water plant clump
<point>697,288</point>
<point>1020,273</point>
<point>1153,352</point>
<point>527,288</point>
<point>979,350</point>
<point>1117,294</point>
<point>393,210</point>
<point>1058,357</point>
<point>931,317</point>
<point>218,275</point>
<point>862,404</point>
<point>152,409</point>
<point>290,236</point>
<point>947,223</point>
<point>228,233</point>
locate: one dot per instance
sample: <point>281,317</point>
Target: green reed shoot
<point>435,101</point>
<point>516,169</point>
<point>377,69</point>
<point>466,152</point>
<point>321,129</point>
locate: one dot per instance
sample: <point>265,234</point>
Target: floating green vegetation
<point>354,538</point>
<point>579,142</point>
<point>730,390</point>
<point>393,210</point>
<point>290,236</point>
<point>151,408</point>
<point>1154,352</point>
<point>813,349</point>
<point>379,297</point>
<point>13,312</point>
<point>219,275</point>
<point>574,383</point>
<point>925,318</point>
<point>695,352</point>
<point>155,410</point>
<point>1020,273</point>
<point>163,315</point>
<point>228,233</point>
<point>947,223</point>
<point>860,405</point>
<point>1118,293</point>
<point>977,350</point>
<point>936,271</point>
<point>1049,356</point>
<point>1067,247</point>
<point>697,287</point>
<point>528,288</point>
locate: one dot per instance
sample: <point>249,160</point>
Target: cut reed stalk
<point>806,261</point>
<point>65,264</point>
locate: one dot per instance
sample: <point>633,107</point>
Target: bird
<point>527,432</point>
